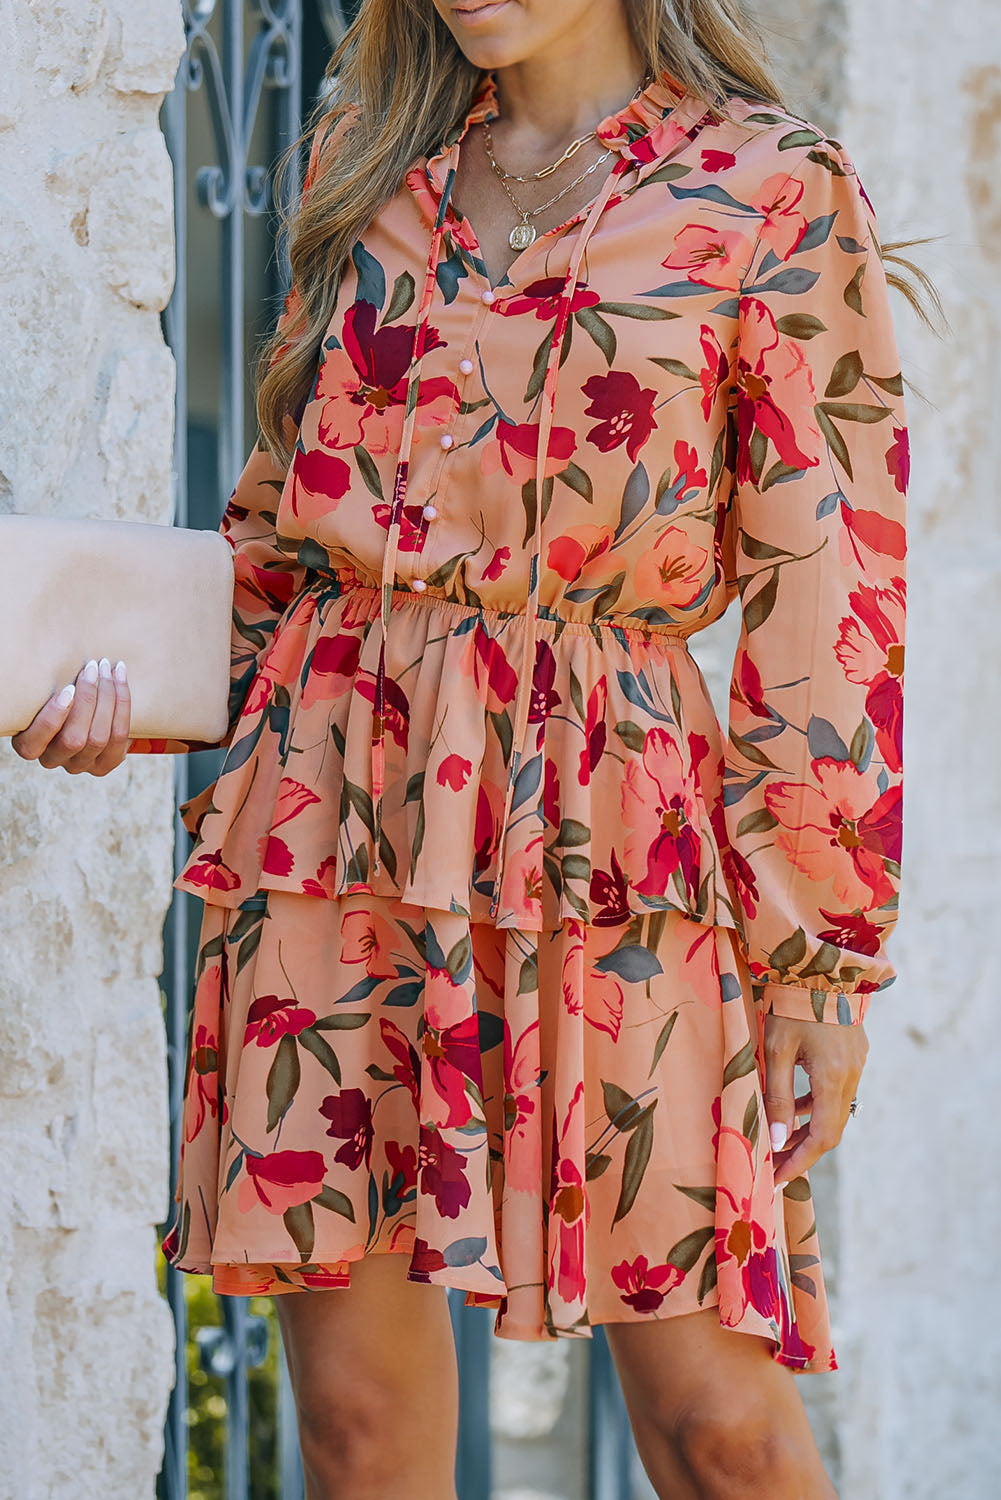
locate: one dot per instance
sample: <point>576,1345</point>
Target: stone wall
<point>86,414</point>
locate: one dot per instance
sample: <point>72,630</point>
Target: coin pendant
<point>521,235</point>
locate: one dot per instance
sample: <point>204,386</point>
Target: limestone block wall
<point>86,411</point>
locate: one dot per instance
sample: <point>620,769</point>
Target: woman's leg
<point>714,1416</point>
<point>376,1388</point>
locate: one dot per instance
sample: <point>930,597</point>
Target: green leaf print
<point>705,1197</point>
<point>634,964</point>
<point>322,1051</point>
<point>299,1223</point>
<point>634,1164</point>
<point>846,374</point>
<point>800,326</point>
<point>662,1041</point>
<point>402,297</point>
<point>368,472</point>
<point>622,1109</point>
<point>741,1063</point>
<point>686,1252</point>
<point>790,952</point>
<point>283,1080</point>
<point>708,1279</point>
<point>601,332</point>
<point>336,1201</point>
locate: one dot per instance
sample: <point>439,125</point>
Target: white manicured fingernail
<point>104,666</point>
<point>120,673</point>
<point>90,672</point>
<point>779,1135</point>
<point>66,696</point>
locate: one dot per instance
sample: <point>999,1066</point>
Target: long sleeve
<point>266,579</point>
<point>813,765</point>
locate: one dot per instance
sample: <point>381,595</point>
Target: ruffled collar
<point>643,131</point>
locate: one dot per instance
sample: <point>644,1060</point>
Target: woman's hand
<point>85,727</point>
<point>833,1057</point>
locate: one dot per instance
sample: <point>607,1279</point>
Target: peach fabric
<point>475,786</point>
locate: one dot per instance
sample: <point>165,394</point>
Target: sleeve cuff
<point>836,1007</point>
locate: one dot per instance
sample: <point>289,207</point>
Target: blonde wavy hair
<point>400,65</point>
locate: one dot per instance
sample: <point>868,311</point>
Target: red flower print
<point>424,1261</point>
<point>774,379</point>
<point>454,771</point>
<point>282,1180</point>
<point>484,661</point>
<point>486,832</point>
<point>670,572</point>
<point>690,471</point>
<point>544,700</point>
<point>332,666</point>
<point>364,385</point>
<point>543,299</point>
<point>325,884</point>
<point>407,1069</point>
<point>658,809</point>
<point>210,871</point>
<point>254,586</point>
<point>898,459</point>
<point>610,894</point>
<point>595,731</point>
<point>715,374</point>
<point>869,530</point>
<point>350,1116</point>
<point>293,797</point>
<point>497,564</point>
<point>624,409</point>
<point>319,481</point>
<point>569,1210</point>
<point>516,448</point>
<point>269,1019</point>
<point>551,795</point>
<point>871,651</point>
<point>277,857</point>
<point>643,1286</point>
<point>523,1139</point>
<point>570,554</point>
<point>204,1074</point>
<point>402,1161</point>
<point>397,713</point>
<point>522,884</point>
<point>851,930</point>
<point>712,256</point>
<point>717,161</point>
<point>411,525</point>
<point>452,1055</point>
<point>368,939</point>
<point>746,688</point>
<point>443,1174</point>
<point>784,226</point>
<point>841,830</point>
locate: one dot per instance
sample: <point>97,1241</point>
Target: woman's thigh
<point>714,1413</point>
<point>374,1375</point>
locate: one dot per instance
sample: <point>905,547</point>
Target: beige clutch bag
<point>159,598</point>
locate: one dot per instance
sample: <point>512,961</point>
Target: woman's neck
<point>550,99</point>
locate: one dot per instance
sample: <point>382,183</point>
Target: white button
<point>488,296</point>
<point>429,513</point>
<point>418,585</point>
<point>466,366</point>
<point>446,440</point>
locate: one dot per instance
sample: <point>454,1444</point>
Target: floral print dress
<point>494,908</point>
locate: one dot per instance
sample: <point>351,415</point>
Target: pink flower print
<point>363,386</point>
<point>658,809</point>
<point>270,1018</point>
<point>670,573</point>
<point>599,996</point>
<point>523,1139</point>
<point>744,1224</point>
<point>293,798</point>
<point>774,380</point>
<point>281,1180</point>
<point>523,880</point>
<point>325,884</point>
<point>454,771</point>
<point>841,830</point>
<point>643,1286</point>
<point>870,534</point>
<point>211,872</point>
<point>368,939</point>
<point>569,1210</point>
<point>624,409</point>
<point>871,651</point>
<point>595,731</point>
<point>710,255</point>
<point>443,1174</point>
<point>483,660</point>
<point>453,1056</point>
<point>204,1075</point>
<point>350,1116</point>
<point>784,226</point>
<point>515,448</point>
<point>407,1069</point>
<point>715,373</point>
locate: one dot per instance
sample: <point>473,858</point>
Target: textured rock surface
<point>86,263</point>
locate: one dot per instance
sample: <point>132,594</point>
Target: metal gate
<point>248,67</point>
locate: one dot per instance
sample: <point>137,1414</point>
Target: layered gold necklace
<point>524,232</point>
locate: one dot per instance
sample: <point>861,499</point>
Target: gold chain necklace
<point>523,234</point>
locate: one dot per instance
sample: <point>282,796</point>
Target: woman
<point>507,957</point>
